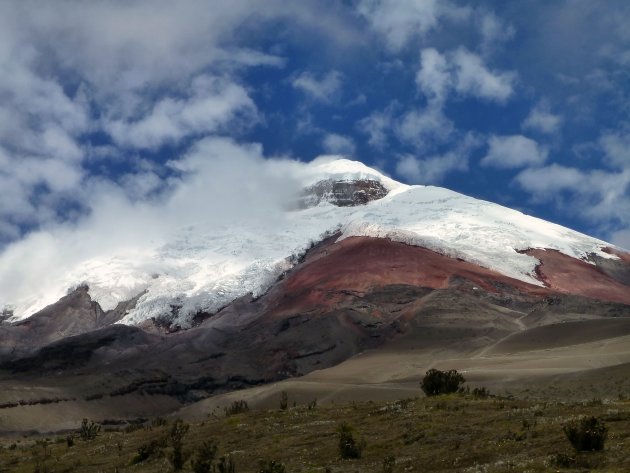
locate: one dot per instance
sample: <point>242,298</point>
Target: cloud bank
<point>120,120</point>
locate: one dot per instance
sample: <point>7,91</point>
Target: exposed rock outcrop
<point>343,193</point>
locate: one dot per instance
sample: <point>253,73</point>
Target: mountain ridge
<point>204,268</point>
<point>350,315</point>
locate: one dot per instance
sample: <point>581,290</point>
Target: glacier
<point>204,266</point>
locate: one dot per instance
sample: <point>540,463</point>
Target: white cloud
<point>439,75</point>
<point>424,128</point>
<point>430,170</point>
<point>376,126</point>
<point>600,196</point>
<point>494,31</point>
<point>147,72</point>
<point>338,144</point>
<point>465,73</point>
<point>434,76</point>
<point>433,169</point>
<point>103,41</point>
<point>212,104</point>
<point>324,89</point>
<point>473,78</point>
<point>220,183</point>
<point>616,148</point>
<point>398,21</point>
<point>621,238</point>
<point>541,119</point>
<point>595,195</point>
<point>56,174</point>
<point>545,182</point>
<point>513,151</point>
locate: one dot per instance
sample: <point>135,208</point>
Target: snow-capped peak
<point>203,266</point>
<point>337,168</point>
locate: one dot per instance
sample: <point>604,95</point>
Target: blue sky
<point>524,103</point>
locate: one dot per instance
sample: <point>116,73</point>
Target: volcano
<point>358,285</point>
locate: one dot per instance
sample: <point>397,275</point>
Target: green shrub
<point>284,400</point>
<point>437,382</point>
<point>237,407</point>
<point>271,466</point>
<point>89,430</point>
<point>159,422</point>
<point>133,427</point>
<point>226,465</point>
<point>561,460</point>
<point>148,450</point>
<point>388,464</point>
<point>480,393</point>
<point>349,447</point>
<point>586,433</point>
<point>177,433</point>
<point>204,457</point>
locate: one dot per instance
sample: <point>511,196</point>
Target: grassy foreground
<point>446,433</point>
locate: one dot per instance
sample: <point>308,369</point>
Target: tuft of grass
<point>284,401</point>
<point>349,447</point>
<point>176,440</point>
<point>89,430</point>
<point>237,407</point>
<point>271,466</point>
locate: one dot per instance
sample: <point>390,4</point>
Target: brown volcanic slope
<point>568,275</point>
<point>357,265</point>
<point>365,317</point>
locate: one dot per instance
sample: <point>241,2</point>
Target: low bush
<point>586,434</point>
<point>89,430</point>
<point>159,422</point>
<point>226,465</point>
<point>284,400</point>
<point>133,427</point>
<point>388,464</point>
<point>176,437</point>
<point>437,382</point>
<point>237,407</point>
<point>349,447</point>
<point>271,466</point>
<point>148,450</point>
<point>204,457</point>
<point>561,460</point>
<point>480,393</point>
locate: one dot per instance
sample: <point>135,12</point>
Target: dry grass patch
<point>451,433</point>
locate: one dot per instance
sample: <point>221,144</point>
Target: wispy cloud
<point>218,183</point>
<point>398,21</point>
<point>474,78</point>
<point>542,120</point>
<point>334,143</point>
<point>142,73</point>
<point>434,168</point>
<point>323,88</point>
<point>514,151</point>
<point>463,72</point>
<point>211,104</point>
